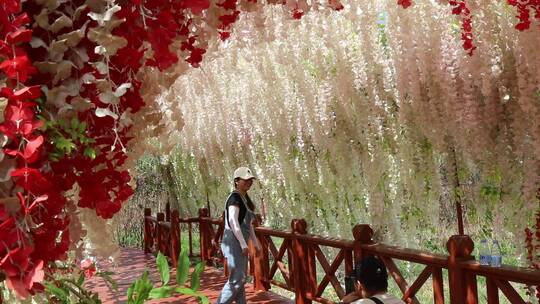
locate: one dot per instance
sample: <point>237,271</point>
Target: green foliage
<point>182,269</point>
<point>59,293</point>
<point>67,137</point>
<point>139,291</point>
<point>491,189</point>
<point>163,268</point>
<point>196,276</point>
<point>69,290</point>
<point>142,289</point>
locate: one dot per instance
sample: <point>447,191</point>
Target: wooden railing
<point>300,255</point>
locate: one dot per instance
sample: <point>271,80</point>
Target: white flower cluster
<point>370,115</point>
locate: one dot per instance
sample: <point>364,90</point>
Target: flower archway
<point>79,83</point>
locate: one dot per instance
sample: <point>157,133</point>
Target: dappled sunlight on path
<point>132,263</point>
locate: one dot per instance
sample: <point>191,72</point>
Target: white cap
<point>243,173</point>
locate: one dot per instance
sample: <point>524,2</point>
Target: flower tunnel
<point>381,112</point>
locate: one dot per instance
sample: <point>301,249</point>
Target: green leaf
<point>163,267</point>
<point>138,291</point>
<point>161,292</point>
<point>196,276</point>
<point>130,293</point>
<point>64,144</point>
<point>190,292</point>
<point>62,123</point>
<point>90,153</point>
<point>187,291</point>
<point>74,123</point>
<point>182,270</point>
<point>106,275</point>
<point>80,281</point>
<point>204,299</point>
<point>61,294</point>
<point>82,127</point>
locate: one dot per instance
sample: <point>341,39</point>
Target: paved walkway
<point>133,262</point>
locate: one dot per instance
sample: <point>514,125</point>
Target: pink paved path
<point>133,262</point>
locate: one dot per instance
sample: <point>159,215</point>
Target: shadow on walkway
<point>133,262</point>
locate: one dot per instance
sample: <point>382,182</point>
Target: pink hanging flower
<point>89,268</point>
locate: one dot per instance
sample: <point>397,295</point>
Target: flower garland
<point>524,9</point>
<point>29,229</point>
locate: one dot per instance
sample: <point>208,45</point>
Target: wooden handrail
<point>407,254</point>
<point>271,232</point>
<point>527,276</point>
<point>214,221</point>
<point>326,241</point>
<point>303,251</point>
<point>151,218</point>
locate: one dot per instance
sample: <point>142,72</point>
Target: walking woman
<point>239,215</point>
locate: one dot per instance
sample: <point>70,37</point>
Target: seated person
<point>371,284</point>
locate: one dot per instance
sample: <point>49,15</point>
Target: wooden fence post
<point>205,239</point>
<point>299,267</point>
<point>175,237</point>
<point>160,217</point>
<point>363,234</point>
<point>463,287</point>
<point>261,262</point>
<point>167,212</point>
<point>147,236</point>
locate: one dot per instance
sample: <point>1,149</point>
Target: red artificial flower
<point>124,193</point>
<point>163,59</point>
<point>128,57</point>
<point>23,286</point>
<point>30,152</point>
<point>9,232</point>
<point>224,35</point>
<point>335,4</point>
<point>11,6</point>
<point>16,260</point>
<point>188,44</point>
<point>197,6</point>
<point>19,112</point>
<point>5,49</point>
<point>132,99</point>
<point>228,4</point>
<point>3,213</point>
<point>405,3</point>
<point>227,20</point>
<point>523,25</point>
<point>45,240</point>
<point>19,36</point>
<point>196,56</point>
<point>19,120</point>
<point>31,180</point>
<point>18,68</point>
<point>297,14</point>
<point>26,93</point>
<point>89,268</point>
<point>28,209</point>
<point>21,20</point>
<point>107,208</point>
